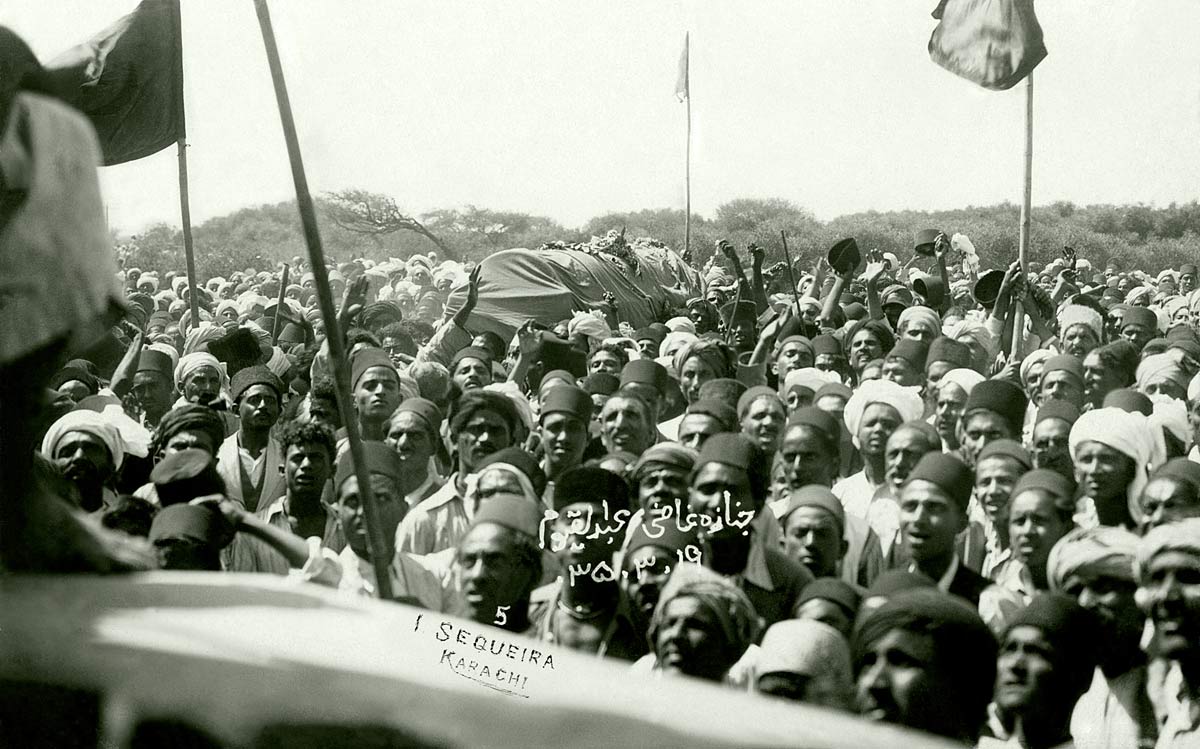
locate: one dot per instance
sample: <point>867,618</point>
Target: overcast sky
<point>566,108</point>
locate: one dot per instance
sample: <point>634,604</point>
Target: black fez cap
<point>561,375</point>
<point>833,388</point>
<point>237,349</point>
<point>1070,628</point>
<point>560,354</point>
<point>663,536</point>
<point>844,255</point>
<point>1143,316</point>
<point>522,461</point>
<point>912,351</point>
<point>472,352</point>
<point>1187,268</point>
<point>379,457</point>
<point>364,359</point>
<point>826,344</point>
<point>738,451</point>
<point>424,409</point>
<point>987,288</point>
<point>718,409</point>
<point>947,349</point>
<point>601,383</point>
<point>1063,363</point>
<point>1183,469</point>
<point>752,394</point>
<point>511,511</point>
<point>724,389</point>
<point>999,396</point>
<point>293,333</point>
<point>248,377</point>
<point>948,473</point>
<point>151,360</point>
<point>854,311</point>
<point>646,372</point>
<point>181,477</point>
<point>592,485</point>
<point>834,590</point>
<point>817,419</point>
<point>923,241</point>
<point>735,313</point>
<point>1058,409</point>
<point>1128,399</point>
<point>1047,480</point>
<point>649,333</point>
<point>567,399</point>
<point>196,523</point>
<point>1006,448</point>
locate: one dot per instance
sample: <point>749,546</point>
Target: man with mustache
<point>626,423</point>
<point>251,459</point>
<point>471,368</point>
<point>498,563</point>
<point>413,431</point>
<point>481,422</point>
<point>89,451</point>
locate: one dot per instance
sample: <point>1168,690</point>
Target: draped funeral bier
<point>646,278</point>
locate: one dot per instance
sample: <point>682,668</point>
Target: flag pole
<point>185,211</point>
<point>337,347</point>
<point>687,221</point>
<point>1026,208</point>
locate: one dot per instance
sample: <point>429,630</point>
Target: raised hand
<point>529,340</point>
<point>757,254</point>
<point>726,249</point>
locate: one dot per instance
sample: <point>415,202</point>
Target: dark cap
<point>151,360</point>
<point>1058,409</point>
<point>746,399</point>
<point>379,457</point>
<point>646,372</point>
<point>567,399</point>
<point>817,496</point>
<point>739,312</point>
<point>665,453</point>
<point>1001,397</point>
<point>931,289</point>
<point>1128,399</point>
<point>817,419</point>
<point>649,333</point>
<point>924,239</point>
<point>364,359</point>
<point>854,311</point>
<point>560,354</point>
<point>561,375</point>
<point>717,409</point>
<point>738,451</point>
<point>592,485</point>
<point>844,256</point>
<point>522,461</point>
<point>948,473</point>
<point>238,349</point>
<point>1143,316</point>
<point>912,351</point>
<point>1063,363</point>
<point>1047,480</point>
<point>196,523</point>
<point>826,344</point>
<point>1006,448</point>
<point>663,536</point>
<point>181,477</point>
<point>1187,268</point>
<point>292,333</point>
<point>947,349</point>
<point>471,352</point>
<point>601,383</point>
<point>834,590</point>
<point>248,377</point>
<point>987,288</point>
<point>833,388</point>
<point>424,409</point>
<point>1183,469</point>
<point>511,511</point>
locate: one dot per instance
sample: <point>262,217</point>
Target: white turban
<point>191,362</point>
<point>922,317</point>
<point>675,341</point>
<point>1032,360</point>
<point>167,349</point>
<point>1078,314</point>
<point>906,400</point>
<point>1104,551</point>
<point>965,378</point>
<point>84,420</point>
<point>1194,389</point>
<point>278,363</point>
<point>973,333</point>
<point>589,325</point>
<point>227,304</point>
<point>1128,433</point>
<point>1137,294</point>
<point>681,325</point>
<point>1158,368</point>
<point>809,377</point>
<point>513,392</point>
<point>1181,535</point>
<point>1171,414</point>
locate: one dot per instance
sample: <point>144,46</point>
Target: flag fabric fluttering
<point>681,84</point>
<point>128,80</point>
<point>993,43</point>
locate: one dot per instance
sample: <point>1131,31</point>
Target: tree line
<point>357,223</point>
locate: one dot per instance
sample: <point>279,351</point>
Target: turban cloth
<point>278,363</point>
<point>1194,301</point>
<point>227,305</point>
<point>965,646</point>
<point>510,390</point>
<point>673,341</point>
<point>191,362</point>
<point>189,417</point>
<point>906,400</point>
<point>977,338</point>
<point>149,279</point>
<point>198,338</point>
<point>98,425</point>
<point>167,349</point>
<point>879,329</point>
<point>587,324</point>
<point>1193,391</point>
<point>809,377</point>
<point>1159,368</point>
<point>1173,305</point>
<point>921,317</point>
<point>1170,414</point>
<point>527,490</point>
<point>733,611</point>
<point>1181,535</point>
<point>1035,358</point>
<point>1102,551</point>
<point>1078,314</point>
<point>708,309</point>
<point>809,648</point>
<point>717,355</point>
<point>1139,294</point>
<point>1129,433</point>
<point>1167,275</point>
<point>681,325</point>
<point>966,379</point>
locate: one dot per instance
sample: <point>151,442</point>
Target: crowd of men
<point>964,503</point>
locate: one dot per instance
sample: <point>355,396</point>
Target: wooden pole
<point>337,347</point>
<point>787,258</point>
<point>1026,207</point>
<point>185,211</point>
<point>687,179</point>
<point>276,325</point>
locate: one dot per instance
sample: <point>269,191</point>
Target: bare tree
<point>373,214</point>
